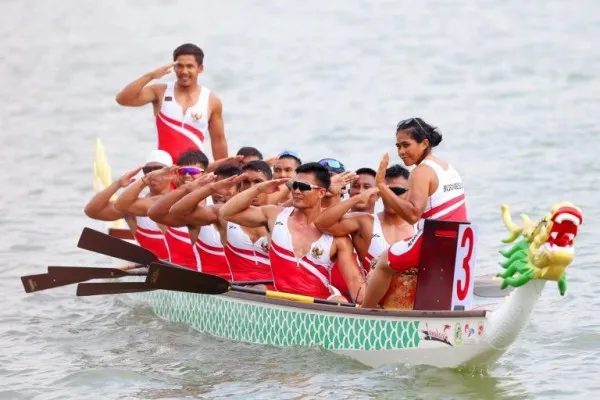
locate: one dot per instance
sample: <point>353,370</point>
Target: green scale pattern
<point>255,323</point>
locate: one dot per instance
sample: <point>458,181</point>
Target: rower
<point>284,167</point>
<point>286,164</point>
<point>185,112</point>
<point>249,154</point>
<point>435,192</point>
<point>247,248</point>
<point>190,166</point>
<point>301,256</point>
<point>365,181</point>
<point>146,232</point>
<point>208,233</point>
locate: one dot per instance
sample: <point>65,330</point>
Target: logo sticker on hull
<point>438,335</point>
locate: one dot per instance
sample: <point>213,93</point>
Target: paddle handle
<point>251,283</point>
<point>289,296</point>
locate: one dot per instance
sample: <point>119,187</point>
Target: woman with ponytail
<point>435,191</point>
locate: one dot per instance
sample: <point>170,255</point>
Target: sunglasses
<point>302,186</point>
<point>147,170</point>
<point>398,191</point>
<point>333,164</point>
<point>407,123</point>
<point>189,171</point>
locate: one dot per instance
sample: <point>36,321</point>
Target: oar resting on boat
<point>102,243</point>
<point>58,276</point>
<point>185,280</point>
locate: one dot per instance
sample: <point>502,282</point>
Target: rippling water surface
<point>513,85</point>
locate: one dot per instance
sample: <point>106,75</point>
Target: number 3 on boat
<point>447,268</point>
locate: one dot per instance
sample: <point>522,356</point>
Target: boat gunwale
<point>371,312</point>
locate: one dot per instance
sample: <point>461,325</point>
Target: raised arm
<point>161,210</point>
<point>101,207</point>
<point>190,209</point>
<point>335,220</point>
<point>130,202</point>
<point>138,94</point>
<point>239,208</point>
<point>410,209</point>
<point>337,188</point>
<point>216,129</point>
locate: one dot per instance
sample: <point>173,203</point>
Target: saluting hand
<point>222,187</point>
<point>271,186</point>
<point>160,174</point>
<point>128,177</point>
<point>366,195</point>
<point>162,71</point>
<point>339,181</point>
<point>201,180</point>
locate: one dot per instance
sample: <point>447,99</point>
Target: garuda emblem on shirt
<point>196,116</point>
<point>316,252</point>
<point>264,245</point>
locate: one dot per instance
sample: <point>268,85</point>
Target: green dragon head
<point>545,249</point>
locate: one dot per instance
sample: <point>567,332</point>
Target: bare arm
<point>129,202</point>
<point>101,208</point>
<point>239,209</point>
<point>348,265</point>
<point>190,210</point>
<point>410,209</point>
<point>137,94</point>
<point>216,129</point>
<point>160,210</point>
<point>279,196</point>
<point>336,221</point>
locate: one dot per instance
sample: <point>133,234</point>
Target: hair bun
<point>435,137</point>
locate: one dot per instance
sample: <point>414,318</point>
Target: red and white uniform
<point>211,252</point>
<point>180,247</point>
<point>337,280</point>
<point>307,275</point>
<point>248,261</point>
<point>447,203</point>
<point>149,236</point>
<point>378,244</point>
<point>179,131</point>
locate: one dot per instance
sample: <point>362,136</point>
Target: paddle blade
<point>165,277</point>
<point>102,243</point>
<point>100,288</point>
<point>490,286</point>
<point>35,283</point>
<point>86,273</point>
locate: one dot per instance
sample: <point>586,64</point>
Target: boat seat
<point>435,279</point>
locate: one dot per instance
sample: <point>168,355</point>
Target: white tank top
<point>316,262</point>
<point>378,243</point>
<point>448,201</point>
<point>179,131</point>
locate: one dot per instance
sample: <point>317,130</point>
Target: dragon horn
<point>525,218</point>
<point>514,230</point>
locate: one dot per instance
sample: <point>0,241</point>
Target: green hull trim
<point>257,322</point>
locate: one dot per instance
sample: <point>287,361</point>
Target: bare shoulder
<point>158,88</point>
<point>271,211</point>
<point>214,102</point>
<point>421,171</point>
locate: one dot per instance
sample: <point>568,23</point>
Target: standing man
<point>185,111</point>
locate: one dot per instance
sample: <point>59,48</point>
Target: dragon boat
<point>442,330</point>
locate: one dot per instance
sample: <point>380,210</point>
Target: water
<point>512,85</point>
